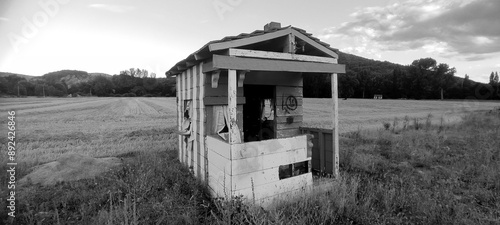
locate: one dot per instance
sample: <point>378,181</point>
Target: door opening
<point>259,112</point>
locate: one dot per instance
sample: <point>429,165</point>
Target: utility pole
<point>43,87</point>
<point>17,89</point>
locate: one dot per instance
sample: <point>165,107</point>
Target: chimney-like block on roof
<point>272,26</point>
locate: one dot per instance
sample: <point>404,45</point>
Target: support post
<point>335,121</point>
<point>233,127</point>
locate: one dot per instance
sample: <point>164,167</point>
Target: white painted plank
<point>219,180</point>
<point>279,55</point>
<point>179,118</point>
<point>218,146</point>
<point>239,63</point>
<point>262,162</point>
<point>257,178</point>
<point>335,121</point>
<point>257,148</point>
<point>234,136</point>
<point>276,188</point>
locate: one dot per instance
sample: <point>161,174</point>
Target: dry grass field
<point>98,127</point>
<point>362,114</point>
<point>436,174</point>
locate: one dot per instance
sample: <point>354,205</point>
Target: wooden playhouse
<point>239,107</point>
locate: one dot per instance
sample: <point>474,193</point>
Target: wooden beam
<point>232,104</point>
<point>215,78</point>
<point>290,44</point>
<point>335,122</point>
<point>315,44</point>
<point>238,63</point>
<point>241,77</point>
<point>279,55</point>
<point>222,100</point>
<point>249,40</point>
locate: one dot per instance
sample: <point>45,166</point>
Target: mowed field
<point>99,127</point>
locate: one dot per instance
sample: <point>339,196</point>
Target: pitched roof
<point>204,52</point>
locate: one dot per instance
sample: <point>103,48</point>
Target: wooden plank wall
<point>190,86</point>
<point>255,168</point>
<point>322,151</point>
<point>219,166</point>
<point>283,128</point>
<point>218,96</point>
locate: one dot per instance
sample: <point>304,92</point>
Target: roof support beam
<point>248,40</point>
<point>279,55</point>
<point>315,44</point>
<point>238,63</point>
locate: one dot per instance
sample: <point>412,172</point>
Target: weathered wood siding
<point>255,168</point>
<point>322,151</point>
<point>219,166</point>
<point>284,92</point>
<point>190,86</point>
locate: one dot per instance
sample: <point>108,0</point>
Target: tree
<point>102,86</point>
<point>364,80</point>
<point>443,77</point>
<point>421,73</point>
<point>347,82</point>
<point>492,79</point>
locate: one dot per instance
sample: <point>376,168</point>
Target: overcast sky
<point>37,37</point>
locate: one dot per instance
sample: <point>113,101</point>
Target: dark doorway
<point>259,112</point>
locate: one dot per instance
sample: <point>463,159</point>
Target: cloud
<point>113,8</point>
<point>4,19</point>
<point>461,28</point>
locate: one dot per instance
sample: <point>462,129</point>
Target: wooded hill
<point>364,78</point>
<point>422,79</point>
<point>80,83</point>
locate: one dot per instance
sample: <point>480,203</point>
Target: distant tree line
<point>422,79</point>
<point>129,83</point>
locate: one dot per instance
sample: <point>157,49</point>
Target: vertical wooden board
<point>239,118</point>
<point>181,102</point>
<point>189,83</point>
<point>257,178</point>
<point>335,122</point>
<point>201,97</point>
<point>195,152</point>
<point>232,107</point>
<point>179,117</point>
<point>209,116</point>
<point>322,150</point>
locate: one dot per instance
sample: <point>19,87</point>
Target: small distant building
<point>240,112</point>
<point>377,96</point>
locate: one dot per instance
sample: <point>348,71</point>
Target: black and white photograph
<point>249,112</point>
